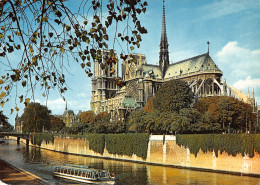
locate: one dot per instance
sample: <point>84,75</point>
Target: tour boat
<point>2,140</point>
<point>84,174</point>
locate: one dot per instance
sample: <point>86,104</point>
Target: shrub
<point>233,144</point>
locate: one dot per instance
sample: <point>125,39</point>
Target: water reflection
<point>41,163</point>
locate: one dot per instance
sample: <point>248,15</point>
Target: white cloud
<point>57,106</point>
<point>82,95</point>
<point>246,83</point>
<point>218,9</point>
<point>240,66</point>
<point>37,101</point>
<point>238,62</point>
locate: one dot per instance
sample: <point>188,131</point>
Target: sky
<point>231,26</point>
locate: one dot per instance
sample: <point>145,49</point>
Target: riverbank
<point>10,174</point>
<point>163,151</point>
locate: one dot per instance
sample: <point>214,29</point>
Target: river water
<point>42,162</point>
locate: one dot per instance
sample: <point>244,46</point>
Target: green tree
<point>36,117</point>
<point>227,111</point>
<point>173,96</point>
<point>87,117</point>
<point>57,124</point>
<point>103,116</point>
<point>149,105</point>
<point>135,121</point>
<point>196,122</point>
<point>5,126</point>
<point>46,35</point>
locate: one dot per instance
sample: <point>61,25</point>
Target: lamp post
<point>229,127</point>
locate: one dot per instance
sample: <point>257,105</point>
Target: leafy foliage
<point>121,144</point>
<point>96,142</point>
<point>87,117</point>
<point>46,35</point>
<point>103,116</point>
<point>38,138</point>
<point>105,127</point>
<point>149,105</point>
<point>5,126</point>
<point>173,96</point>
<point>135,121</point>
<point>188,120</point>
<point>233,144</point>
<point>127,144</point>
<point>57,124</point>
<point>225,110</point>
<point>36,117</point>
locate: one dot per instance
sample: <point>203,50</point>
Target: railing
<point>21,135</point>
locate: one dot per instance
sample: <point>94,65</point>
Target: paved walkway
<point>12,175</point>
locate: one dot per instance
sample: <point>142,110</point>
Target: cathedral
<point>142,80</point>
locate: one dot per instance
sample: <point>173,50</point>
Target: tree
<point>87,117</point>
<point>46,35</point>
<point>227,111</point>
<point>5,126</point>
<point>103,116</point>
<point>149,105</point>
<point>173,96</point>
<point>36,117</point>
<point>57,124</point>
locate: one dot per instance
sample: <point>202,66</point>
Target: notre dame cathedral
<point>142,80</point>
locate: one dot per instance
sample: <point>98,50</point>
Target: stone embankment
<point>13,175</point>
<point>167,153</point>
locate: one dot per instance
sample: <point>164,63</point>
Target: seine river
<point>42,162</point>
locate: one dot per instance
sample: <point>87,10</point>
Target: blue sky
<point>231,26</point>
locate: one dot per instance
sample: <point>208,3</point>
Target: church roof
<point>156,70</point>
<point>191,65</point>
<point>129,102</point>
<point>239,94</point>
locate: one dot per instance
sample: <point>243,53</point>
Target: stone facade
<point>69,117</point>
<point>18,124</point>
<point>142,80</point>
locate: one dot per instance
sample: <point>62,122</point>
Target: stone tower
<point>103,86</point>
<point>164,53</point>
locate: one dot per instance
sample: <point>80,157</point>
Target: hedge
<point>96,142</point>
<point>127,144</point>
<point>121,144</point>
<point>233,144</point>
<point>38,138</point>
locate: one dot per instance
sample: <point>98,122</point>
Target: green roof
<point>157,73</point>
<point>129,102</point>
<point>191,65</point>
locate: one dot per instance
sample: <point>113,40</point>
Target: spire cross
<point>208,45</point>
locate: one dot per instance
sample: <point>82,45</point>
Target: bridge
<point>18,135</point>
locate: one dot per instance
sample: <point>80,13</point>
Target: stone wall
<point>167,153</point>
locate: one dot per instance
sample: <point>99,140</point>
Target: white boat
<point>2,140</point>
<point>84,174</point>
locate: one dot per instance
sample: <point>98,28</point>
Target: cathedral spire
<point>164,53</point>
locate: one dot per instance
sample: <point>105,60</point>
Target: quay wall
<point>166,153</point>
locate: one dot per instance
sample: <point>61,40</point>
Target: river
<point>42,162</point>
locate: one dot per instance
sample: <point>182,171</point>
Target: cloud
<point>238,62</point>
<point>248,82</point>
<point>82,95</point>
<point>240,66</point>
<point>218,9</point>
<point>57,106</point>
